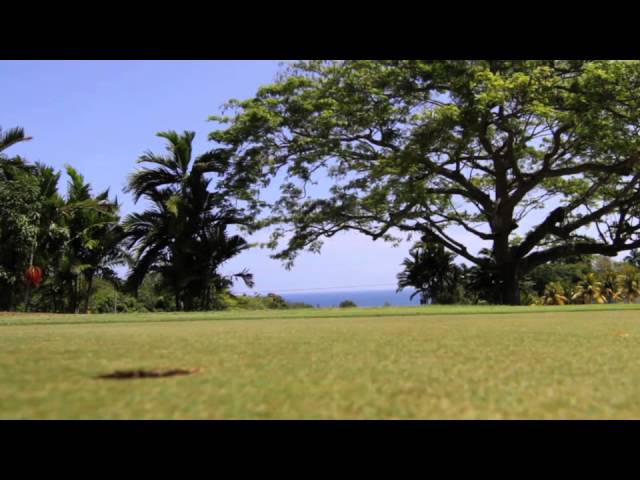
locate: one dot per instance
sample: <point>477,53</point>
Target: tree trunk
<point>76,290</point>
<point>510,285</point>
<point>87,296</point>
<point>72,294</point>
<point>503,254</point>
<point>188,302</point>
<point>11,306</point>
<point>27,297</point>
<point>207,298</point>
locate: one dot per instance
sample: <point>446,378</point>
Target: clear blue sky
<point>99,116</point>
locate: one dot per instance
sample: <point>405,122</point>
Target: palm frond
<point>11,137</point>
<point>246,277</point>
<point>142,267</point>
<point>180,146</point>
<point>147,181</point>
<point>77,189</point>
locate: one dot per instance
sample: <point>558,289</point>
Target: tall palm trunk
<point>74,297</point>
<point>27,297</point>
<point>87,295</point>
<point>12,300</point>
<point>207,298</point>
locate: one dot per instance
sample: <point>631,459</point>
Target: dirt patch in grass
<point>130,374</point>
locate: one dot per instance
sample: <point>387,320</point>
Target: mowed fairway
<point>427,362</point>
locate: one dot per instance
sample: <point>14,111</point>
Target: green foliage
<point>71,239</point>
<point>589,290</point>
<point>629,285</point>
<point>11,137</point>
<point>183,236</point>
<point>94,239</point>
<point>347,304</point>
<point>482,285</point>
<point>107,298</point>
<point>566,273</point>
<point>423,146</point>
<point>20,204</point>
<point>633,258</point>
<point>554,294</point>
<point>275,301</point>
<point>609,286</point>
<point>19,208</point>
<point>259,302</point>
<point>78,240</point>
<point>431,271</point>
<point>155,295</point>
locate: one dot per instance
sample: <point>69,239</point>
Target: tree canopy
<point>184,235</point>
<point>425,146</point>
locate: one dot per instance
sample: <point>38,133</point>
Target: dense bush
<point>105,297</point>
<point>347,304</point>
<point>258,302</point>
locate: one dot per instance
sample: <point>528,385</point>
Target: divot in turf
<point>131,374</point>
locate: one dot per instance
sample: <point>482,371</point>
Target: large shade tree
<point>426,146</point>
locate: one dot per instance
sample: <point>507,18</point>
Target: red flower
<point>34,275</point>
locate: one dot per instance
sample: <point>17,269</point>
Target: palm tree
<point>589,289</point>
<point>183,235</point>
<point>629,284</point>
<point>610,287</point>
<point>94,238</point>
<point>554,294</point>
<point>214,248</point>
<point>52,235</point>
<point>483,283</point>
<point>431,271</point>
<point>74,238</point>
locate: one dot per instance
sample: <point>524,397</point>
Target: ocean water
<point>362,298</point>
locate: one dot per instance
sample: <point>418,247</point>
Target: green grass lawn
<point>413,362</point>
